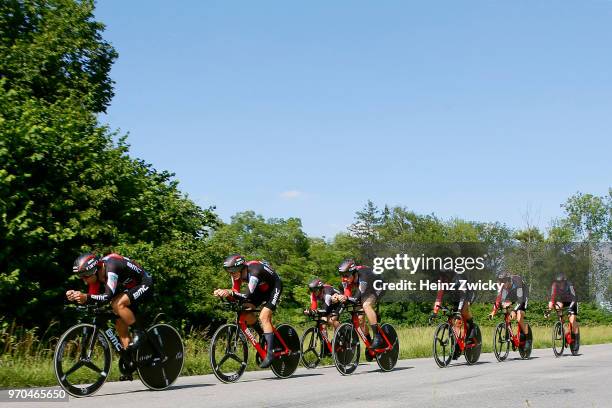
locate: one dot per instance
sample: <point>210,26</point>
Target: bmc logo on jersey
<point>140,291</point>
<point>133,267</point>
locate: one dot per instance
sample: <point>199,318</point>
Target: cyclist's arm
<point>313,301</point>
<point>109,290</point>
<point>553,293</point>
<point>236,290</point>
<point>501,296</point>
<point>438,302</point>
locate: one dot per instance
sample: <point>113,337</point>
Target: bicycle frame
<point>515,338</point>
<point>322,330</point>
<point>100,320</point>
<point>570,327</point>
<point>459,330</point>
<point>355,313</point>
<point>241,321</point>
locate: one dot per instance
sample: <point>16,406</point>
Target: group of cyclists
<point>123,283</point>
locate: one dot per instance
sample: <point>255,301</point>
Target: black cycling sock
<point>374,328</point>
<point>270,341</point>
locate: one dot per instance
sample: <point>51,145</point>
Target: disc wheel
<point>575,346</point>
<point>444,344</point>
<point>346,348</point>
<point>285,365</point>
<point>155,371</point>
<point>311,346</point>
<point>501,342</point>
<point>228,353</point>
<point>388,358</point>
<point>82,360</point>
<point>472,351</point>
<point>558,339</point>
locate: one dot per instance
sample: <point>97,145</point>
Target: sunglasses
<point>233,269</point>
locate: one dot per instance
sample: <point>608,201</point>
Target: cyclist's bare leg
<point>120,305</point>
<point>574,322</point>
<point>265,317</point>
<point>369,311</point>
<point>520,318</point>
<point>334,321</point>
<point>122,331</point>
<point>364,327</point>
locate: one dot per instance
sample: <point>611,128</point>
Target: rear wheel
<point>575,346</point>
<point>501,342</point>
<point>525,350</point>
<point>155,371</point>
<point>82,360</point>
<point>388,358</point>
<point>228,353</point>
<point>285,365</point>
<point>311,346</point>
<point>472,351</point>
<point>444,345</point>
<point>558,339</point>
<point>346,348</point>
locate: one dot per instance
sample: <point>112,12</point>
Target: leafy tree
<point>590,216</point>
<point>53,49</point>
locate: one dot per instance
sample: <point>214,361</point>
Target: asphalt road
<point>543,381</point>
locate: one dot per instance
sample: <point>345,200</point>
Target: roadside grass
<point>26,359</point>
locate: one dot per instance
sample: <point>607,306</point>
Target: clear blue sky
<point>471,109</point>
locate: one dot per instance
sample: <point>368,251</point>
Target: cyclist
<point>459,297</point>
<point>324,293</point>
<point>513,290</point>
<point>564,295</point>
<point>360,278</point>
<point>120,281</point>
<point>264,287</point>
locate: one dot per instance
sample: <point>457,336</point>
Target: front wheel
<point>82,360</point>
<point>285,365</point>
<point>525,350</point>
<point>160,357</point>
<point>311,346</point>
<point>472,351</point>
<point>346,348</point>
<point>228,353</point>
<point>443,345</point>
<point>501,342</point>
<point>388,358</point>
<point>558,339</point>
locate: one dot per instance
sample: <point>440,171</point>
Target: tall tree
<point>53,49</point>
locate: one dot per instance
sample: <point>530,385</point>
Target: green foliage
<point>53,50</point>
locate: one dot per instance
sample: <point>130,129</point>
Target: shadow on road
<point>378,370</point>
<point>465,364</point>
<point>174,387</point>
<point>283,379</point>
<point>519,359</point>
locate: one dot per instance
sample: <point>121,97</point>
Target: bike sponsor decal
<point>111,336</point>
<point>250,335</point>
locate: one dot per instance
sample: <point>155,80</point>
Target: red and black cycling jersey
<point>121,273</point>
<point>458,295</point>
<point>362,285</point>
<point>563,291</point>
<point>260,278</point>
<point>518,292</point>
<point>325,297</point>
